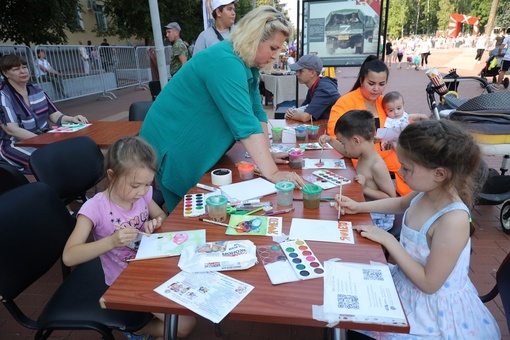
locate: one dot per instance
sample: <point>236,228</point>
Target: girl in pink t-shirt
<point>117,218</point>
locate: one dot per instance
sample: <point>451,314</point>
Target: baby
<point>396,117</point>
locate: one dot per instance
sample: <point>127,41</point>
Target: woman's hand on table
<point>280,157</point>
<point>280,176</point>
<point>78,119</point>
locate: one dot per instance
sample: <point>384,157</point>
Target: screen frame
<point>346,49</point>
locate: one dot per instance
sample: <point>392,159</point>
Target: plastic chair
<point>31,248</point>
<point>138,110</point>
<point>10,177</point>
<point>154,88</point>
<point>71,167</point>
<point>502,288</point>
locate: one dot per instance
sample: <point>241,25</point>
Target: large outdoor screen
<point>341,32</point>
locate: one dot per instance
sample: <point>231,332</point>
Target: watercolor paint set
<point>304,262</point>
<point>194,205</point>
<point>331,177</point>
<point>289,261</point>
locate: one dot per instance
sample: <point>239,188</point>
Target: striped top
<point>31,117</point>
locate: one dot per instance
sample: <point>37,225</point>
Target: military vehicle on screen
<point>348,28</point>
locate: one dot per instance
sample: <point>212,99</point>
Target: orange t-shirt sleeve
<point>350,101</point>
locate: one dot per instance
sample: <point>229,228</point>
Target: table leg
<point>339,334</point>
<point>171,326</point>
<point>334,334</point>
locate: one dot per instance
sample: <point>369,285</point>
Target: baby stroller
<point>492,67</point>
<point>487,117</point>
<point>443,100</point>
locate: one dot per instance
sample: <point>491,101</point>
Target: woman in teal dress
<point>214,101</point>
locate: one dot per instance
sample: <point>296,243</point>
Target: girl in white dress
<point>439,161</point>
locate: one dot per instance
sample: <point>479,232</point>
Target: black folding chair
<point>35,228</point>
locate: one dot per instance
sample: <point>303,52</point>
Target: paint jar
<point>277,133</point>
<point>313,132</point>
<point>300,132</point>
<point>296,159</point>
<point>246,170</point>
<point>285,193</point>
<point>311,196</point>
<point>217,207</point>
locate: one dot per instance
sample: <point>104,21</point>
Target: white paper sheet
<point>321,230</point>
<point>362,293</point>
<point>247,190</point>
<point>388,134</point>
<point>212,295</point>
<point>168,244</point>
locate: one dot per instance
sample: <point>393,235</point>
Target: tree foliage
<point>131,18</point>
<point>38,21</point>
<point>408,17</point>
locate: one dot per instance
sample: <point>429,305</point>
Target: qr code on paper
<point>347,301</point>
<point>372,274</point>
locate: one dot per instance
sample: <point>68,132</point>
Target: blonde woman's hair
<point>258,25</point>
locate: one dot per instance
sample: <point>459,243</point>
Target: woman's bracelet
<point>59,120</point>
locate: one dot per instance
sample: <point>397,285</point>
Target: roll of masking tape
<point>221,176</point>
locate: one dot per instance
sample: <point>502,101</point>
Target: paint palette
<point>332,177</point>
<point>303,261</point>
<point>275,263</point>
<point>194,205</point>
<point>271,253</point>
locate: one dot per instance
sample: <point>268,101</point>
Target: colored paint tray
<point>303,261</point>
<point>332,177</point>
<point>325,185</point>
<point>276,264</point>
<point>194,205</point>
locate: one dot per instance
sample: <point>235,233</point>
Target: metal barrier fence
<point>87,70</point>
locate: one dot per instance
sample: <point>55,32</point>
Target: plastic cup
<point>311,196</point>
<point>217,207</point>
<point>285,193</point>
<point>300,132</point>
<point>277,133</point>
<point>296,159</point>
<point>246,170</point>
<point>313,132</point>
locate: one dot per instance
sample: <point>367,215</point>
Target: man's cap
<point>218,3</point>
<point>173,25</point>
<point>309,61</point>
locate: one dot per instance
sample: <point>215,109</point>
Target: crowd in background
<point>413,51</point>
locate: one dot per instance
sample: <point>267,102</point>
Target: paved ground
<point>490,244</point>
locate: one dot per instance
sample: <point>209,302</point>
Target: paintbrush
<point>322,148</point>
<point>138,231</point>
<point>221,224</point>
<point>299,180</point>
<point>339,199</point>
